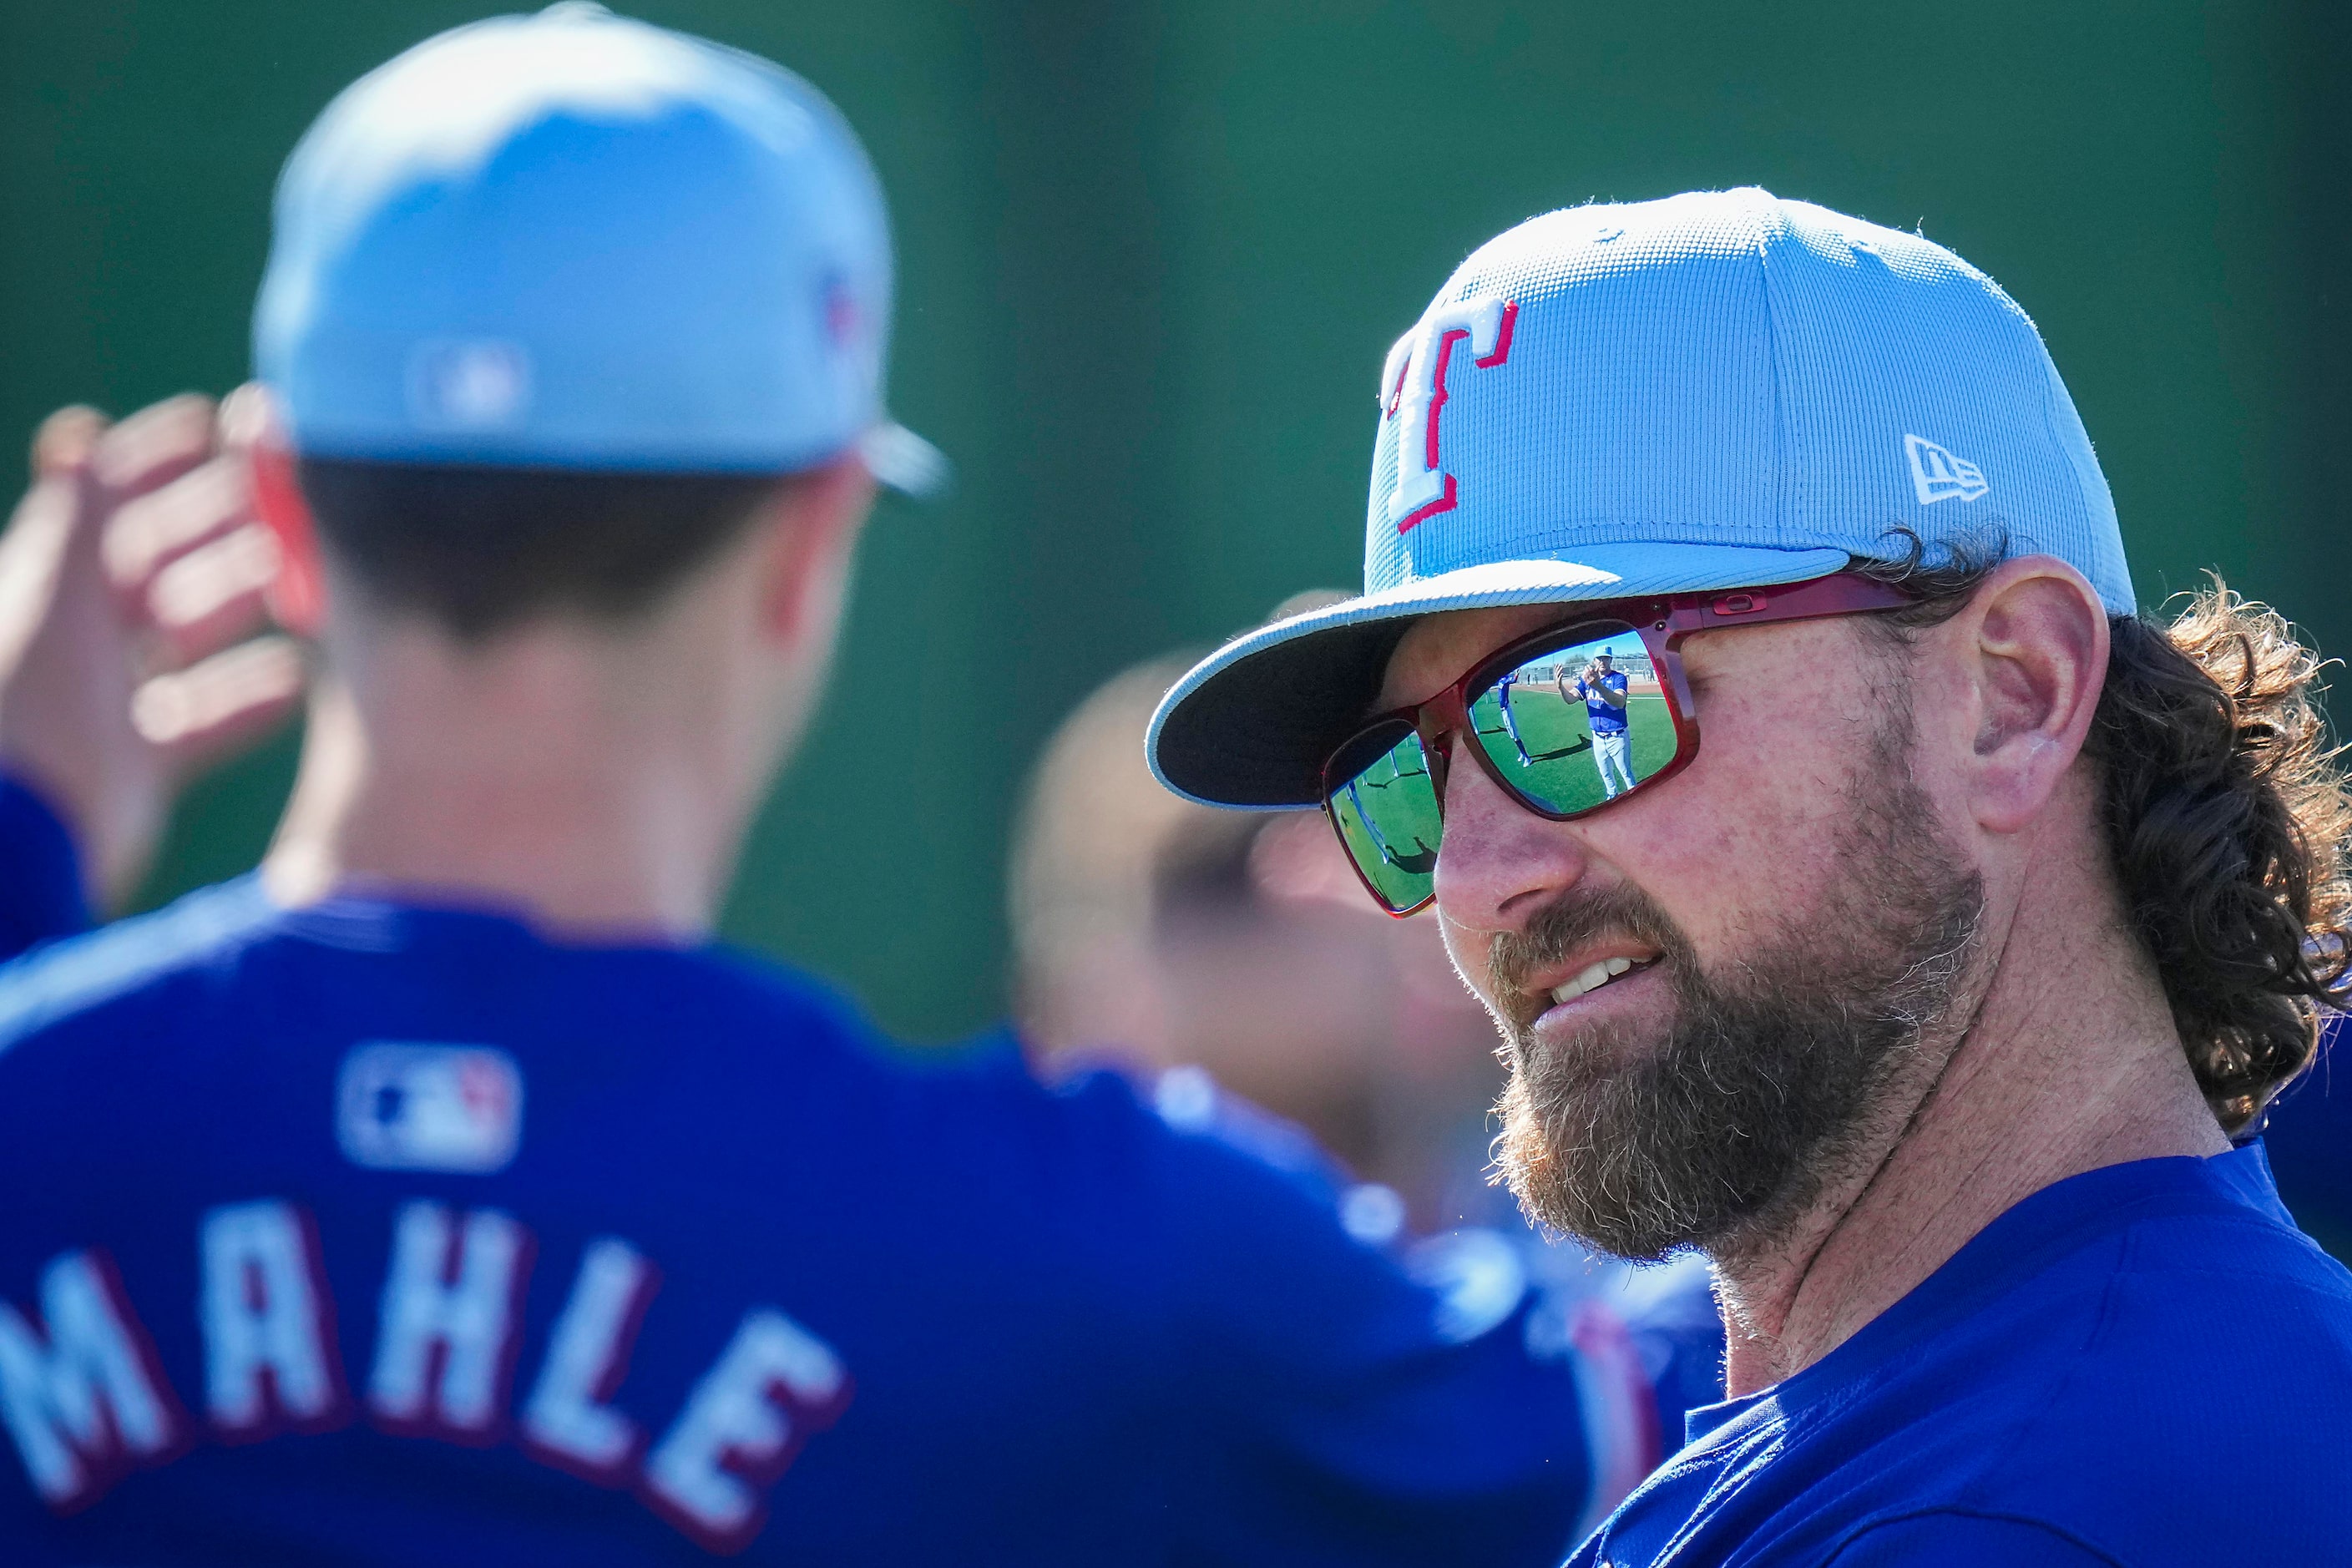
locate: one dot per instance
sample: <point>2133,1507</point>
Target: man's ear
<point>815,518</point>
<point>2033,643</point>
<point>250,423</point>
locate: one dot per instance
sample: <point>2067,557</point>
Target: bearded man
<point>1938,997</point>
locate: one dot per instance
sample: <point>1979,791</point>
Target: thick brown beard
<point>1768,1081</point>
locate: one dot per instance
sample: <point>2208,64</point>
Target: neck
<point>2062,1059</point>
<point>555,773</point>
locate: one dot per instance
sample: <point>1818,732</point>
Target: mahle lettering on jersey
<point>86,1401</point>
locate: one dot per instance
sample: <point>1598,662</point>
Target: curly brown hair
<point>2227,817</point>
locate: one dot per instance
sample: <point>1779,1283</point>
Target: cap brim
<point>1251,725</point>
<point>903,460</point>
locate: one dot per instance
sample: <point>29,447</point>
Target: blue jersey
<point>1603,716</point>
<point>40,872</point>
<point>2308,1137</point>
<point>368,1233</point>
<point>2144,1365</point>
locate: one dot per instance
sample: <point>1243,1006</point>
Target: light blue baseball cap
<point>575,241</point>
<point>1717,389</point>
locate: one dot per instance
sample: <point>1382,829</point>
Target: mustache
<point>1577,917</point>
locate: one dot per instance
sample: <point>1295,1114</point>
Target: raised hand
<point>133,579</point>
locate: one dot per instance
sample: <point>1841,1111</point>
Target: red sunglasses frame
<point>1661,623</point>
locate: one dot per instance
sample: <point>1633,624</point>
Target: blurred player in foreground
<point>1928,1002</point>
<point>1232,961</point>
<point>443,1193</point>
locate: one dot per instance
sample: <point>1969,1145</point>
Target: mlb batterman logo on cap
<point>1720,390</point>
<point>575,241</point>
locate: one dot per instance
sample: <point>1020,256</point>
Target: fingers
<point>214,595</point>
<point>162,502</point>
<point>138,458</point>
<point>245,417</point>
<point>151,530</point>
<point>186,553</point>
<point>219,704</point>
<point>190,561</point>
<point>65,440</point>
<point>153,447</point>
<point>92,606</point>
<point>46,524</point>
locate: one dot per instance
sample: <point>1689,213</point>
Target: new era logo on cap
<point>1937,475</point>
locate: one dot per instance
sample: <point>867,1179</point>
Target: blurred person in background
<point>443,1192</point>
<point>1231,965</point>
<point>1160,935</point>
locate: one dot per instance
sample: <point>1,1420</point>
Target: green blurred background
<point>1152,258</point>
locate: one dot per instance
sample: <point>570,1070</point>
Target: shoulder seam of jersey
<point>83,972</point>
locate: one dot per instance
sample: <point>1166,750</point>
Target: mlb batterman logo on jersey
<point>429,1107</point>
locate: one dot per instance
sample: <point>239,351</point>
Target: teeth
<point>1591,978</point>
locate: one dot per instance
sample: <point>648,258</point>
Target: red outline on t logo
<point>1412,383</point>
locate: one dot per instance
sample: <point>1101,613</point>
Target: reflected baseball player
<point>1601,687</point>
<point>1510,720</point>
<point>1941,1008</point>
<point>444,1194</point>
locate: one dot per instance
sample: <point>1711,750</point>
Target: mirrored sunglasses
<point>1573,717</point>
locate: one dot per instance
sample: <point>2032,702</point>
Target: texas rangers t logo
<point>1412,386</point>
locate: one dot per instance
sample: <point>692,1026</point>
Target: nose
<point>1498,862</point>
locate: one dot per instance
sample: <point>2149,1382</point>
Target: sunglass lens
<point>1576,726</point>
<point>1380,796</point>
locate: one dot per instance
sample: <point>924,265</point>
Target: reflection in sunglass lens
<point>1384,804</point>
<point>1576,726</point>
